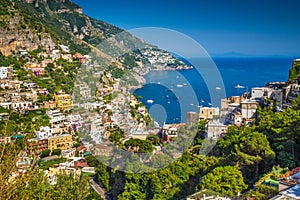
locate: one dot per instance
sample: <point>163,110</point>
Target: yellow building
<point>63,101</point>
<point>208,113</point>
<point>62,142</point>
<point>59,130</point>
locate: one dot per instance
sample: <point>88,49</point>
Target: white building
<point>25,105</point>
<point>88,170</point>
<point>56,117</point>
<point>261,92</point>
<point>44,133</point>
<point>169,131</point>
<point>248,109</point>
<point>74,119</point>
<point>5,105</point>
<point>64,48</point>
<point>3,72</point>
<point>215,129</point>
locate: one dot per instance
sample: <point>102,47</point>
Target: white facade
<point>22,105</point>
<point>3,72</point>
<point>44,133</point>
<point>64,48</point>
<point>5,105</point>
<point>30,85</point>
<point>248,109</point>
<point>260,92</point>
<point>215,129</point>
<point>56,116</point>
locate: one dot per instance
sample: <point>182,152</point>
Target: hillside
<point>294,72</point>
<point>33,24</point>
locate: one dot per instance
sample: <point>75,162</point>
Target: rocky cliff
<point>43,24</point>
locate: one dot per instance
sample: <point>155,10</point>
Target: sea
<point>168,95</point>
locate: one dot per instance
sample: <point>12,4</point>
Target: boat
<point>179,85</point>
<point>239,86</point>
<point>150,101</point>
<point>218,88</point>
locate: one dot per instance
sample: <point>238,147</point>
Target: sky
<point>223,28</point>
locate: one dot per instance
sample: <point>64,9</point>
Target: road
<point>99,190</point>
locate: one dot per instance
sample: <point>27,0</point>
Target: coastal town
<point>92,111</point>
<point>54,141</point>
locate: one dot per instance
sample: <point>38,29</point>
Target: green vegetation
<point>294,71</point>
<point>282,130</point>
<point>247,148</point>
<point>239,158</point>
<point>27,123</point>
<point>34,185</point>
<point>102,171</point>
<point>262,192</point>
<point>45,165</point>
<point>116,135</point>
<point>45,153</point>
<point>137,145</point>
<point>11,60</point>
<point>56,152</point>
<point>227,180</point>
<point>154,139</point>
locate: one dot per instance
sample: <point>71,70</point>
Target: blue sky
<point>250,27</point>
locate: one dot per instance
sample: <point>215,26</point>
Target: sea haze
<point>168,89</point>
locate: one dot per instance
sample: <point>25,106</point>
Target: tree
<point>286,159</point>
<point>252,149</point>
<point>102,171</point>
<point>56,152</point>
<point>45,153</point>
<point>154,139</point>
<point>71,187</point>
<point>142,146</point>
<point>227,180</point>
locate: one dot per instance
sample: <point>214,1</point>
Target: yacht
<point>239,86</point>
<point>150,101</point>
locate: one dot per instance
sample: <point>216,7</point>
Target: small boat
<point>218,88</point>
<point>239,86</point>
<point>209,104</point>
<point>150,101</point>
<point>179,85</point>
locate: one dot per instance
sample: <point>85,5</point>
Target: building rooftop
<point>293,192</point>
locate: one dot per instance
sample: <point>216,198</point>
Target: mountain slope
<point>294,72</point>
<point>44,24</point>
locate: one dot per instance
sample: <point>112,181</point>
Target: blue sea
<point>175,92</point>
